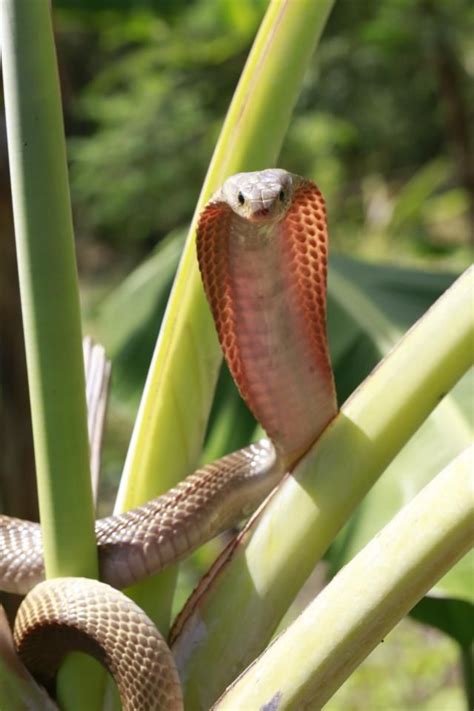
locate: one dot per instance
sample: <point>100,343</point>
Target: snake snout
<point>261,215</point>
<point>264,210</point>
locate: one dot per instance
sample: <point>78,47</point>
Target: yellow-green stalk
<point>178,394</point>
<point>308,662</point>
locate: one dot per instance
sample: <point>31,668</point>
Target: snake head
<point>261,196</point>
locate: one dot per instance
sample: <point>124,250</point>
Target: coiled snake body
<point>262,251</point>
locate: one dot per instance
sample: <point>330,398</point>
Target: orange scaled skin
<point>265,278</point>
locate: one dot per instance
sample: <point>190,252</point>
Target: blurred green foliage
<point>154,112</point>
<point>384,122</point>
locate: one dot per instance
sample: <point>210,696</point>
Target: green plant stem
<point>171,422</point>
<point>49,287</point>
<point>246,599</point>
<point>308,662</point>
<point>467,667</point>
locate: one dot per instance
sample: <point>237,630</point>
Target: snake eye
<point>240,198</point>
<point>281,195</point>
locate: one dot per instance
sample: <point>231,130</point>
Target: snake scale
<point>262,251</point>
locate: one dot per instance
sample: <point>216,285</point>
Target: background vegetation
<point>384,126</point>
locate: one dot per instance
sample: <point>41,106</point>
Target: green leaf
<point>454,617</point>
<point>127,321</point>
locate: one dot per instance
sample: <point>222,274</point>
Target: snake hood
<point>260,196</point>
<point>262,250</point>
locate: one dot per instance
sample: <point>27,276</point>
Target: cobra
<point>262,251</point>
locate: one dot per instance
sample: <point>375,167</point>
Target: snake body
<point>145,540</point>
<point>262,252</point>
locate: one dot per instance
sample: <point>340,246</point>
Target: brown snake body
<point>262,251</point>
<point>145,540</point>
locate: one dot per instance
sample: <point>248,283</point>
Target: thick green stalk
<point>49,287</point>
<point>236,617</point>
<point>178,394</point>
<point>367,598</point>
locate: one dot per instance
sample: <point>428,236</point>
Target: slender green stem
<point>247,598</point>
<point>365,600</point>
<point>467,667</point>
<point>178,394</point>
<point>49,287</point>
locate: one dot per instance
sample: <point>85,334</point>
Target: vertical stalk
<point>49,287</point>
<point>178,394</point>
